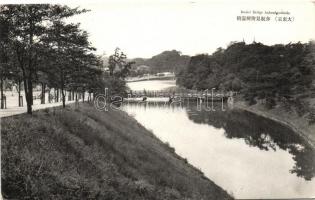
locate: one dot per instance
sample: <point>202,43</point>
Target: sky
<point>146,28</point>
<point>143,28</point>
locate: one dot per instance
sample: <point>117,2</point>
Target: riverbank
<point>297,124</point>
<point>82,153</point>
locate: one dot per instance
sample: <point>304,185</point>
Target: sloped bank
<point>297,124</point>
<point>82,153</point>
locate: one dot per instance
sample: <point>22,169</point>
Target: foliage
<point>167,61</point>
<point>258,71</point>
<point>118,64</point>
<point>39,46</point>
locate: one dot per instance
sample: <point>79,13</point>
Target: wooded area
<point>167,61</point>
<point>38,47</point>
<point>277,74</point>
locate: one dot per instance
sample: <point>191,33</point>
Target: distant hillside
<point>171,61</point>
<point>139,61</point>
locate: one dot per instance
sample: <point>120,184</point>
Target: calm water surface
<point>247,155</point>
<point>151,85</point>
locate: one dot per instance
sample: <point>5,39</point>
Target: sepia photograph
<point>157,100</point>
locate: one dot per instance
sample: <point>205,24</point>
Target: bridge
<point>191,95</point>
<point>150,77</point>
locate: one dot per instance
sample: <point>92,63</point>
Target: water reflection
<point>151,85</point>
<point>262,133</point>
<point>247,155</point>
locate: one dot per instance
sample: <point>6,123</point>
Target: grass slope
<point>82,153</point>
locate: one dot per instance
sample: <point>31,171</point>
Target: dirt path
<point>19,110</point>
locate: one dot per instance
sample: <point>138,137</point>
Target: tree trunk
<point>62,88</point>
<point>57,95</point>
<point>29,95</point>
<point>30,67</point>
<point>27,82</point>
<point>63,97</point>
<point>2,96</point>
<point>76,96</point>
<point>83,96</point>
<point>27,85</point>
<point>42,100</point>
<point>19,91</point>
<point>49,99</point>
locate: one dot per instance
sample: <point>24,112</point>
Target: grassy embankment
<point>82,153</point>
<point>291,119</point>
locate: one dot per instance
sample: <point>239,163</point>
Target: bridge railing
<point>171,93</point>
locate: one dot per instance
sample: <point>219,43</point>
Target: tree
<point>5,67</point>
<point>28,25</point>
<point>69,48</point>
<point>270,73</point>
<point>118,64</point>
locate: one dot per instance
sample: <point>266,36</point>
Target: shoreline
<point>298,129</point>
<point>78,147</point>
